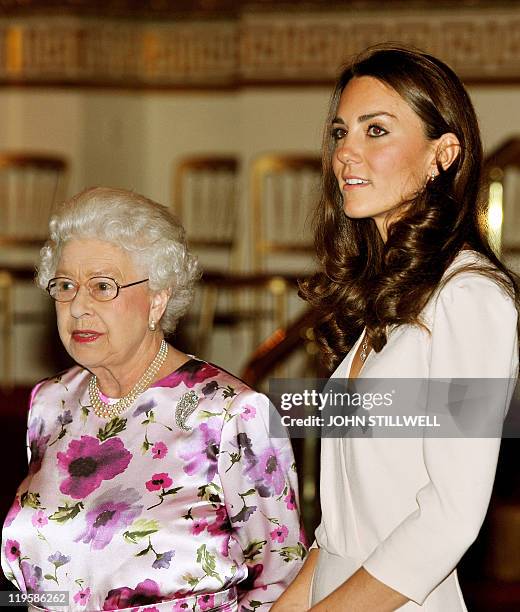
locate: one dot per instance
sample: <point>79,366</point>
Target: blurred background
<point>216,109</point>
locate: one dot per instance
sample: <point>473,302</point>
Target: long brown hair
<point>366,282</point>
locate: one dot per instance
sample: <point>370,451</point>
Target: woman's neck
<point>116,382</point>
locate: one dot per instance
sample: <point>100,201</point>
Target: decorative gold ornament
<point>364,350</point>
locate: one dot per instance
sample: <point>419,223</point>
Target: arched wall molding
<point>255,48</point>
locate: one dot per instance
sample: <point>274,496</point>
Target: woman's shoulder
<point>209,396</point>
<point>472,289</point>
<point>202,382</point>
<point>202,377</point>
<point>473,322</point>
<point>473,295</point>
<point>473,276</point>
<point>65,381</point>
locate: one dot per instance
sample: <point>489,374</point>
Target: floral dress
<point>182,503</point>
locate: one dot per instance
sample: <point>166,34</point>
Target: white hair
<point>146,230</point>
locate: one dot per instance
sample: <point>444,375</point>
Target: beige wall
<point>498,110</point>
<point>40,120</point>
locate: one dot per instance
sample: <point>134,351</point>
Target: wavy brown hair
<point>362,280</point>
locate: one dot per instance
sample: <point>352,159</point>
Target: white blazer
<point>408,509</point>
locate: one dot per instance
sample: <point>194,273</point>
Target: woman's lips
<point>85,335</point>
<point>354,186</point>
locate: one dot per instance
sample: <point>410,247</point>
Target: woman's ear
<point>447,150</point>
<point>158,303</point>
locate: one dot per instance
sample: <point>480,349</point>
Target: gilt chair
<point>284,191</point>
<point>205,200</point>
<point>30,187</point>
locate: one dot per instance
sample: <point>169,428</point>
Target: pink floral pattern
<point>290,500</point>
<point>279,534</point>
<point>200,454</point>
<point>111,512</point>
<point>39,519</point>
<point>125,597</point>
<point>87,462</point>
<point>137,513</point>
<point>192,373</point>
<point>267,471</point>
<point>159,450</point>
<point>249,412</point>
<point>199,526</point>
<point>12,550</point>
<point>206,601</point>
<point>82,597</point>
<point>32,576</point>
<point>13,512</point>
<point>158,482</point>
<point>37,440</point>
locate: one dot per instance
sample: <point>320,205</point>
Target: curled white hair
<point>146,230</point>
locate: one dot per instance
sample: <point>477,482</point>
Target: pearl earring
<point>432,176</point>
<point>152,326</point>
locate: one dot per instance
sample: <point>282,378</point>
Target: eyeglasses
<point>101,288</point>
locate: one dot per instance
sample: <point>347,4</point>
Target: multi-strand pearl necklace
<point>105,410</point>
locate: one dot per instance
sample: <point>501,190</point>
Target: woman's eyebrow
<point>366,117</point>
<point>103,272</point>
<point>97,272</point>
<point>369,116</point>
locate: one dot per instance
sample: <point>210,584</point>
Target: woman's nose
<point>347,152</point>
<point>81,305</point>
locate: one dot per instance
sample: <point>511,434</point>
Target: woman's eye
<point>376,130</point>
<point>103,286</point>
<point>65,285</point>
<point>338,133</point>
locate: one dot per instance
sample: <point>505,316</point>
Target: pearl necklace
<point>364,350</point>
<point>105,410</point>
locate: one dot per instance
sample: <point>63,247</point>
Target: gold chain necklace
<point>364,350</point>
<point>105,410</point>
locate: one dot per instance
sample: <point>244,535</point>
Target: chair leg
<point>279,290</point>
<point>208,308</point>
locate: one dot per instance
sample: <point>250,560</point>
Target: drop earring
<point>152,326</point>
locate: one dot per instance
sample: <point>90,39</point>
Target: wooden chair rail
<point>42,161</point>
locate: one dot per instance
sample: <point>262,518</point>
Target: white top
<point>408,509</point>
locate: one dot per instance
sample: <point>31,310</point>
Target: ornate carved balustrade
<point>208,45</point>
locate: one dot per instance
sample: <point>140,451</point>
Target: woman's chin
<point>85,355</point>
<point>354,212</point>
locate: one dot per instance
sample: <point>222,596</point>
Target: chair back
<point>285,189</point>
<point>205,200</point>
<point>30,187</point>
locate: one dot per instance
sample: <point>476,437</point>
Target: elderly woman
<point>153,484</point>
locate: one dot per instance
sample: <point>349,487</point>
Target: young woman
<point>409,288</point>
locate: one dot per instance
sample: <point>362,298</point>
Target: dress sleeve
<point>473,336</point>
<point>28,438</point>
<point>261,496</point>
